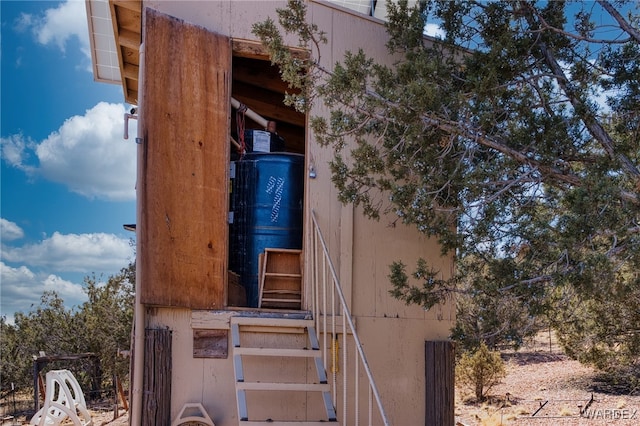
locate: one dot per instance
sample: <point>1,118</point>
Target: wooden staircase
<point>263,342</point>
<point>280,279</point>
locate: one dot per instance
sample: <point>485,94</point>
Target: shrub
<point>480,370</point>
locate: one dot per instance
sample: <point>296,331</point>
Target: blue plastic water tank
<point>266,200</point>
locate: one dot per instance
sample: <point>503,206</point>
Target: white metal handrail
<point>327,311</point>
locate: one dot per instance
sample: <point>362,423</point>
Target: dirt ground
<point>543,387</point>
<point>99,417</point>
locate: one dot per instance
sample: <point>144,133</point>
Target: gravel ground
<point>543,387</point>
<point>100,419</point>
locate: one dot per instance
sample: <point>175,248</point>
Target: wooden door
<point>183,164</point>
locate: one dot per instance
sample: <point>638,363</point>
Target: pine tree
<point>514,141</point>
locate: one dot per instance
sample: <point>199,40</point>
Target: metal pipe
<point>127,116</point>
<point>250,113</point>
<point>139,320</point>
<point>235,143</point>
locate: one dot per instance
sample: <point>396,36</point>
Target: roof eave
<point>114,34</point>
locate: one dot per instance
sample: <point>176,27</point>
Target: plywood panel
<point>387,241</point>
<point>208,381</point>
<point>210,343</point>
<point>183,173</point>
<point>345,31</point>
<point>395,351</point>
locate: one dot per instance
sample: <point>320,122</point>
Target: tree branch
<point>623,23</point>
<point>595,128</point>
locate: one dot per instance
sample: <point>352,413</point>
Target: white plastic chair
<point>63,399</point>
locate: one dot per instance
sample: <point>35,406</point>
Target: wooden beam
<point>210,320</point>
<point>130,71</point>
<point>128,19</point>
<point>131,96</point>
<point>261,74</point>
<point>134,5</point>
<point>129,39</point>
<point>268,104</point>
<point>114,24</point>
<point>268,321</point>
<point>255,50</point>
<point>249,49</point>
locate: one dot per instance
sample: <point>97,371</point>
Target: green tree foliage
<point>496,141</point>
<point>603,330</point>
<point>50,328</point>
<point>10,362</point>
<point>108,318</point>
<point>490,316</point>
<point>480,370</point>
<point>102,325</point>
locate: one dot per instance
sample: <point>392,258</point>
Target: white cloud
<point>88,154</point>
<point>61,24</point>
<point>68,291</point>
<point>25,271</point>
<point>23,23</point>
<point>84,253</point>
<point>22,290</point>
<point>14,150</point>
<point>9,231</point>
<point>434,30</point>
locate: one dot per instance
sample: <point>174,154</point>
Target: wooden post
<point>439,383</point>
<point>125,403</point>
<point>41,386</point>
<point>156,395</point>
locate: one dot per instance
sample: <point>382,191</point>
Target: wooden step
<point>287,423</point>
<point>272,322</point>
<point>280,272</point>
<point>240,324</point>
<point>277,386</point>
<point>279,300</point>
<point>283,291</point>
<point>282,275</point>
<point>301,353</point>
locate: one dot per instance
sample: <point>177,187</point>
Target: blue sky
<point>67,174</point>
